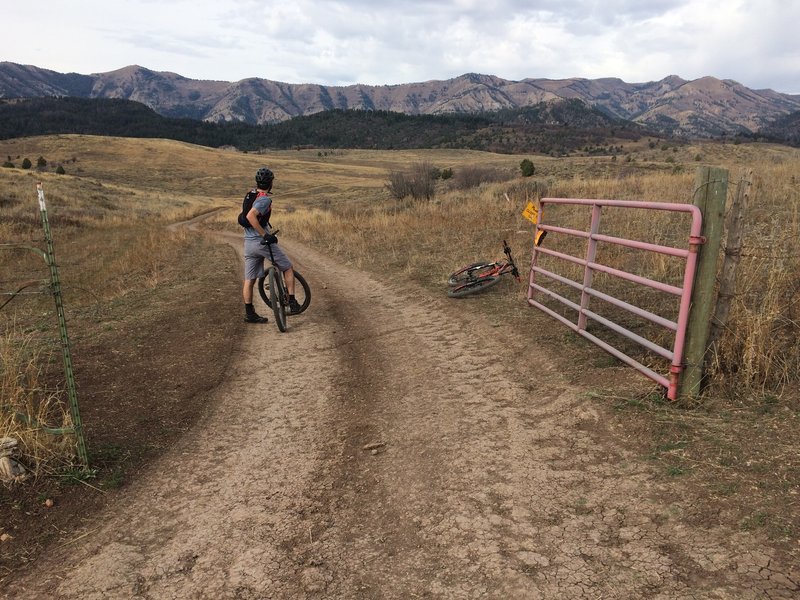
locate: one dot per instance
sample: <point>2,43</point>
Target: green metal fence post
<point>62,326</point>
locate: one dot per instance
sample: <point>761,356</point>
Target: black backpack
<point>247,204</point>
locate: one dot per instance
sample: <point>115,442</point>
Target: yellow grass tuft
<point>28,401</point>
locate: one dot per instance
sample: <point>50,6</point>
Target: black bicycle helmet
<point>264,178</point>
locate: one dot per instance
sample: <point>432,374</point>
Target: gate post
<point>588,273</point>
<point>710,195</point>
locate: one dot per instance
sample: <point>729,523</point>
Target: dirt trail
<point>391,445</point>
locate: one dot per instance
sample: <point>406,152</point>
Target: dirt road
<point>391,445</point>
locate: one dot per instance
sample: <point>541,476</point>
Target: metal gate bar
<point>590,266</point>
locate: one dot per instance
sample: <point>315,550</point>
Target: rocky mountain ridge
<point>705,107</point>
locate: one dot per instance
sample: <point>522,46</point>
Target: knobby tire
<point>473,287</point>
<point>277,296</point>
<point>301,289</point>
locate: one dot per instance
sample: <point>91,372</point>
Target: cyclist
<point>256,235</point>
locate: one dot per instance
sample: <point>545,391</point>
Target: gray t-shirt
<point>263,204</point>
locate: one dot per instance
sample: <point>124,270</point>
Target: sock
<point>249,310</point>
<point>291,297</point>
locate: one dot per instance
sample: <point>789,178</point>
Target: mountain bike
<point>481,275</point>
<point>272,289</point>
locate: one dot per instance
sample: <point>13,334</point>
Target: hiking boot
<point>254,318</point>
<point>294,307</point>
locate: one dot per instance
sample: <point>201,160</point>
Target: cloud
<point>341,42</point>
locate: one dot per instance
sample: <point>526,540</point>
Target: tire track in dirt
<point>394,446</point>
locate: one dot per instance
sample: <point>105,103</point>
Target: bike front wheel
<point>278,297</point>
<point>473,287</point>
<point>469,273</point>
<point>302,292</point>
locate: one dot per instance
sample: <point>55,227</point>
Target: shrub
<point>447,173</point>
<point>419,182</point>
<point>60,170</point>
<point>527,168</point>
<point>8,164</point>
<point>471,177</point>
<point>26,163</point>
<point>41,163</point>
<point>398,185</point>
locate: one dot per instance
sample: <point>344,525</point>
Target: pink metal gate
<point>590,267</point>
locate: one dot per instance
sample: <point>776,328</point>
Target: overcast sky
<point>756,42</point>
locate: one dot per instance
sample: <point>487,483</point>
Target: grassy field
<point>109,210</point>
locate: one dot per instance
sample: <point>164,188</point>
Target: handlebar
<point>274,234</point>
<point>507,251</point>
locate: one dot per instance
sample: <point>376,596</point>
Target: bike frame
<point>281,299</point>
<point>498,268</point>
<point>481,276</point>
<point>501,267</point>
<point>272,262</point>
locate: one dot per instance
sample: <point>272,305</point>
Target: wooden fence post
<point>710,194</point>
<point>733,253</point>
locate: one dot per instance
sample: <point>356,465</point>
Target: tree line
<point>550,128</point>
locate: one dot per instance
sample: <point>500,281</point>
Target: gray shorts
<point>254,255</point>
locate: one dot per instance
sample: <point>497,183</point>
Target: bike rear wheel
<point>302,292</point>
<point>278,297</point>
<point>469,273</point>
<point>473,287</point>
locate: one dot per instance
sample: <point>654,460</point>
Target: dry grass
<point>113,183</point>
<point>28,400</point>
<point>109,212</point>
<point>109,235</point>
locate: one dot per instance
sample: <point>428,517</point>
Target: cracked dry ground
<point>396,446</point>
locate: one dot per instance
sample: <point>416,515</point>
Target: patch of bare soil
<point>396,445</point>
<point>144,365</point>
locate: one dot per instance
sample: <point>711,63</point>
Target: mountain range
<point>704,107</point>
